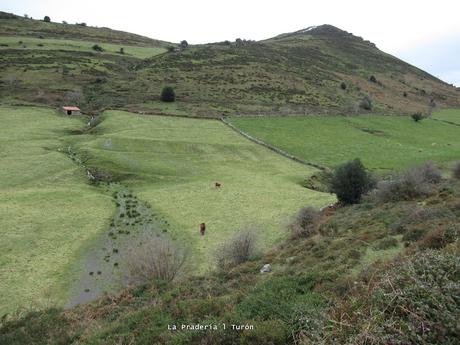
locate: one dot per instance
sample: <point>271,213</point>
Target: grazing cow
<point>218,185</point>
<point>202,228</point>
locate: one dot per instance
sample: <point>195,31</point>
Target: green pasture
<point>384,143</point>
<point>50,216</point>
<point>173,163</point>
<point>47,210</point>
<point>448,115</point>
<point>18,42</point>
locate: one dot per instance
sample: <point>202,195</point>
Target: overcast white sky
<point>424,33</point>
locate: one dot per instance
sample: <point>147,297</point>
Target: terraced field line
<point>273,148</point>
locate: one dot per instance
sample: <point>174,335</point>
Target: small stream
<point>103,269</point>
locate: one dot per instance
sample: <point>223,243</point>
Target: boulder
<point>266,268</point>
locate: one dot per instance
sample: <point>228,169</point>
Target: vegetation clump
<point>156,259</point>
<point>366,103</point>
<point>97,48</point>
<point>47,19</point>
<point>413,183</point>
<point>305,222</point>
<point>237,250</point>
<point>456,171</point>
<point>417,117</point>
<point>413,302</point>
<point>351,181</point>
<point>168,94</point>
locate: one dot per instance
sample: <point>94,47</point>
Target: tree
<point>417,117</point>
<point>168,94</point>
<point>47,19</point>
<point>97,48</point>
<point>350,181</point>
<point>183,44</point>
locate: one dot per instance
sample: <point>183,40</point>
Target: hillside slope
<point>317,70</point>
<point>370,274</point>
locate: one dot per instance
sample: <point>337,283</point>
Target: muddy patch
<point>104,268</point>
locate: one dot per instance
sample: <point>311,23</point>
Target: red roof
<point>70,108</point>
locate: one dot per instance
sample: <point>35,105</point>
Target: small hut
<point>71,110</point>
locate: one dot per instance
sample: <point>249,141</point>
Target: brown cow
<point>202,228</point>
<point>218,185</point>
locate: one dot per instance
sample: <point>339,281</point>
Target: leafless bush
<point>305,222</point>
<point>413,183</point>
<point>456,170</point>
<point>238,249</point>
<point>156,258</point>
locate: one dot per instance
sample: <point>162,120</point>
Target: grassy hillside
<point>48,212</point>
<point>384,143</point>
<point>57,228</point>
<point>12,25</point>
<point>320,70</point>
<point>448,115</point>
<point>173,163</point>
<point>370,274</point>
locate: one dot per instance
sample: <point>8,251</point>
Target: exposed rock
<point>266,268</point>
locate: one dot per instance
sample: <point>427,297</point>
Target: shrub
<point>157,258</point>
<point>305,222</point>
<point>404,94</point>
<point>183,44</point>
<point>373,79</point>
<point>122,50</point>
<point>366,103</point>
<point>47,19</point>
<point>411,184</point>
<point>343,86</point>
<point>237,250</point>
<point>350,181</point>
<point>168,94</point>
<point>456,171</point>
<point>413,302</point>
<point>97,48</point>
<point>417,117</point>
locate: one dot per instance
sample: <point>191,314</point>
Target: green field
<point>50,216</point>
<point>173,163</point>
<point>448,115</point>
<point>47,212</point>
<point>383,143</point>
<point>30,43</point>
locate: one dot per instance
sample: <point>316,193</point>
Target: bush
<point>47,19</point>
<point>373,79</point>
<point>411,184</point>
<point>417,117</point>
<point>350,181</point>
<point>168,94</point>
<point>157,258</point>
<point>122,50</point>
<point>415,301</point>
<point>305,222</point>
<point>343,86</point>
<point>456,171</point>
<point>183,44</point>
<point>366,103</point>
<point>404,94</point>
<point>237,250</point>
<point>97,48</point>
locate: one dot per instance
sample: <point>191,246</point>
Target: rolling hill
<point>321,70</point>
